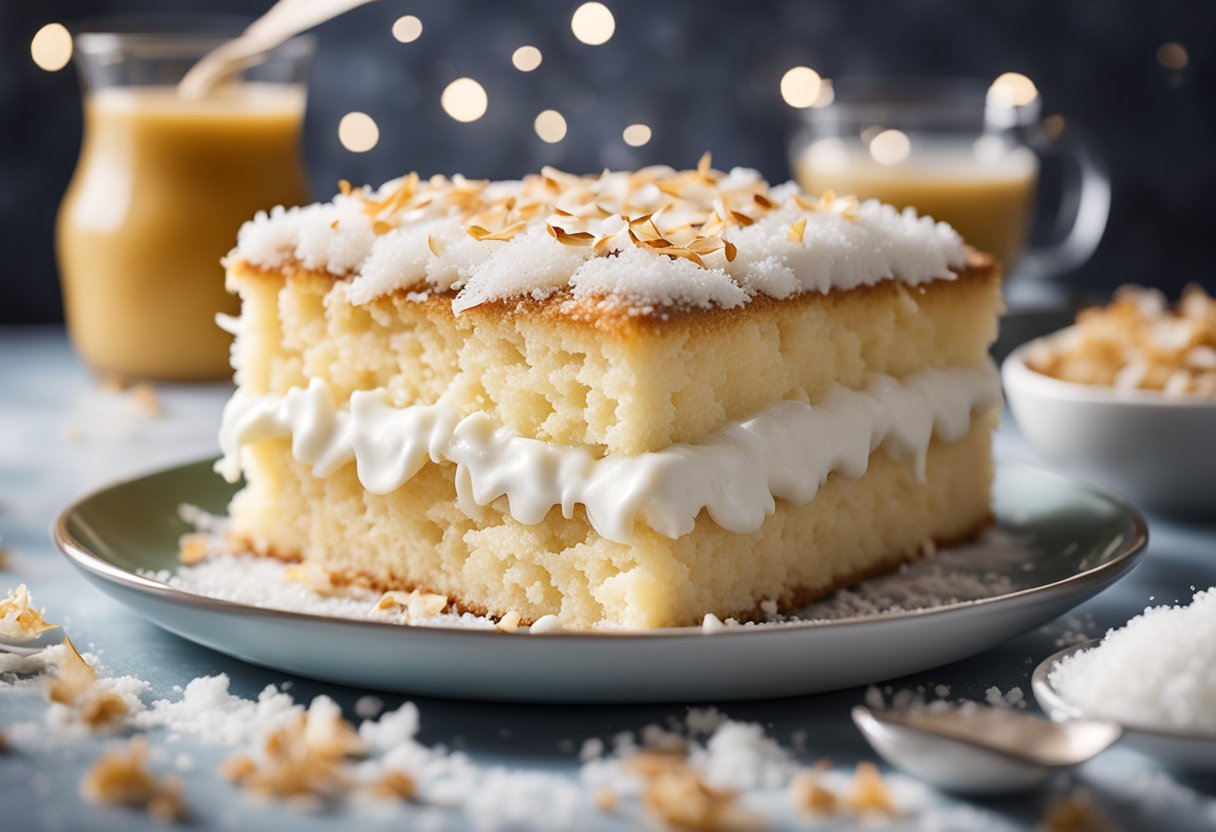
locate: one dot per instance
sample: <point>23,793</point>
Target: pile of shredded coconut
<point>1157,671</point>
<point>646,240</point>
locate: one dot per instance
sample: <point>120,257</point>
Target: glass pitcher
<point>161,188</point>
<point>962,151</point>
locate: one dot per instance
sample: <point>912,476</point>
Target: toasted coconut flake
<point>683,253</point>
<point>120,777</point>
<point>509,623</point>
<point>1074,812</point>
<point>237,767</point>
<point>869,793</point>
<point>395,784</point>
<point>102,709</point>
<point>676,796</point>
<point>74,685</point>
<point>72,677</point>
<point>414,604</point>
<point>578,238</point>
<point>797,230</point>
<point>604,799</point>
<point>810,796</point>
<point>705,245</point>
<point>381,227</point>
<point>193,549</point>
<point>713,227</point>
<point>730,250</point>
<point>433,245</point>
<point>705,164</point>
<point>741,218</point>
<point>20,620</point>
<point>312,575</point>
<point>300,760</point>
<point>344,187</point>
<point>507,233</point>
<point>652,763</point>
<point>763,201</point>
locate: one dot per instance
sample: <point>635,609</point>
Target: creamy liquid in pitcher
<point>161,188</point>
<point>986,197</point>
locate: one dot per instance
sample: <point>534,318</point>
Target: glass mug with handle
<point>162,186</point>
<point>959,150</point>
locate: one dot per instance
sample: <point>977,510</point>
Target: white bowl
<point>1157,450</point>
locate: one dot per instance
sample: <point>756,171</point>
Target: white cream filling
<point>736,474</point>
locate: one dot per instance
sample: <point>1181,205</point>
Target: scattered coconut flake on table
<point>704,771</point>
<point>263,582</point>
<point>207,711</point>
<point>969,572</point>
<point>1157,671</point>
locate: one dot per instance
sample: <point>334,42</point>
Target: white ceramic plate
<point>1073,542</point>
<point>1180,750</point>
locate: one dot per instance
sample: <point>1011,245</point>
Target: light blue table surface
<point>61,435</point>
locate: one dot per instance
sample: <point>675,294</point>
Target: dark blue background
<point>703,74</point>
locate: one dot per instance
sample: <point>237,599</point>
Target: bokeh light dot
<point>526,58</point>
<point>51,47</point>
<point>890,147</point>
<point>827,94</point>
<point>636,135</point>
<point>550,125</point>
<point>593,23</point>
<point>464,100</point>
<point>1013,89</point>
<point>407,29</point>
<point>358,132</point>
<point>1173,56</point>
<point>800,86</point>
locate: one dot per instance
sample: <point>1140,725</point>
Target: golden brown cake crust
<point>618,318</point>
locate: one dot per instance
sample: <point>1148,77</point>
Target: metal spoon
<point>977,749</point>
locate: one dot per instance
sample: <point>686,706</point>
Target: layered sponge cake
<point>631,399</point>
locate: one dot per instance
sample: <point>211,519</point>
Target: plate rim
<point>1053,702</point>
<point>1125,558</point>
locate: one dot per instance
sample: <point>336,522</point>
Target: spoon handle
<point>284,20</point>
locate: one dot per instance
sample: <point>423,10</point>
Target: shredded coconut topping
<point>652,238</point>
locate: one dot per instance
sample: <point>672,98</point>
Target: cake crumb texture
<point>638,386</point>
<point>417,538</point>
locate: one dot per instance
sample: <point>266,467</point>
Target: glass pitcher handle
<point>1087,192</point>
